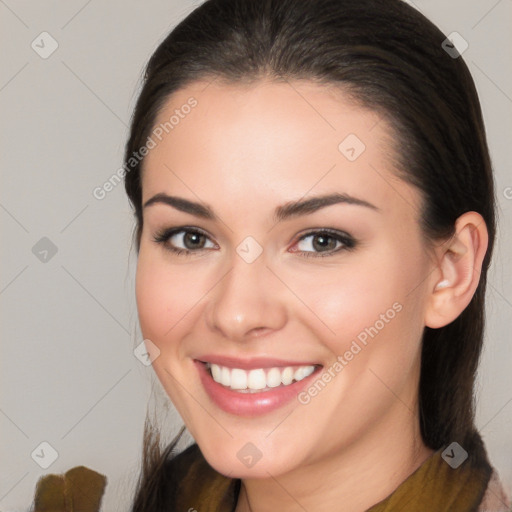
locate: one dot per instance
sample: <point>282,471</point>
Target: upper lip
<point>251,363</point>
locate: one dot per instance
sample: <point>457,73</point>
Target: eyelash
<point>349,243</point>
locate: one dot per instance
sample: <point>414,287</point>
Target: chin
<point>238,458</point>
<point>229,464</point>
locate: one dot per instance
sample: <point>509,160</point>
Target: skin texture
<point>244,150</point>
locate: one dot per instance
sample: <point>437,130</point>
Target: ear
<point>459,263</point>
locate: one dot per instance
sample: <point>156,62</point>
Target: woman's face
<point>263,294</point>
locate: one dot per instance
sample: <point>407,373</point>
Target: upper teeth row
<point>259,378</point>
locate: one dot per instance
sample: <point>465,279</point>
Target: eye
<point>190,239</point>
<point>187,240</point>
<point>324,241</point>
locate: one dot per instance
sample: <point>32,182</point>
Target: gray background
<point>68,373</point>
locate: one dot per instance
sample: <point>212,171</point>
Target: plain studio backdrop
<point>71,386</point>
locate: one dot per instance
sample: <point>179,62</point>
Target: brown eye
<point>193,240</point>
<point>328,242</point>
<point>183,240</point>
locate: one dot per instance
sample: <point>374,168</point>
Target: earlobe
<point>458,270</point>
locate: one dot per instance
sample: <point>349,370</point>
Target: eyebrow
<point>281,213</point>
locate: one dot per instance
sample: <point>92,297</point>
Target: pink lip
<point>250,364</point>
<point>251,404</point>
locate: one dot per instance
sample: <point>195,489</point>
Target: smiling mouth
<point>258,380</point>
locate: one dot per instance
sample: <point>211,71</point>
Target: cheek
<point>364,298</point>
<point>152,293</point>
<point>163,297</point>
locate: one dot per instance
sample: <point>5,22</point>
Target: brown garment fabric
<point>78,490</point>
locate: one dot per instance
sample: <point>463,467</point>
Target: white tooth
<point>308,370</point>
<point>225,376</point>
<point>273,378</point>
<point>299,374</point>
<point>257,379</point>
<point>287,376</point>
<point>238,379</point>
<point>216,372</point>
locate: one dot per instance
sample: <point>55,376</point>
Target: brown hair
<point>390,58</point>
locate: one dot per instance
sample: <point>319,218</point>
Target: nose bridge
<point>245,300</point>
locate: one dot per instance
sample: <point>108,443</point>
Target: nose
<point>247,302</point>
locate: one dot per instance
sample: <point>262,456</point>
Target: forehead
<point>276,141</point>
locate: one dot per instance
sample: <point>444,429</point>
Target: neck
<point>357,476</point>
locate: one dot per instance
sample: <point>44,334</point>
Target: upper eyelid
<point>184,229</point>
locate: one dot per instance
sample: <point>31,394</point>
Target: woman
<point>314,223</point>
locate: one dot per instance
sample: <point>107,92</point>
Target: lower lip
<point>250,404</point>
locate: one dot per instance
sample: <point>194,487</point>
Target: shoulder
<point>198,485</point>
<point>495,498</point>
